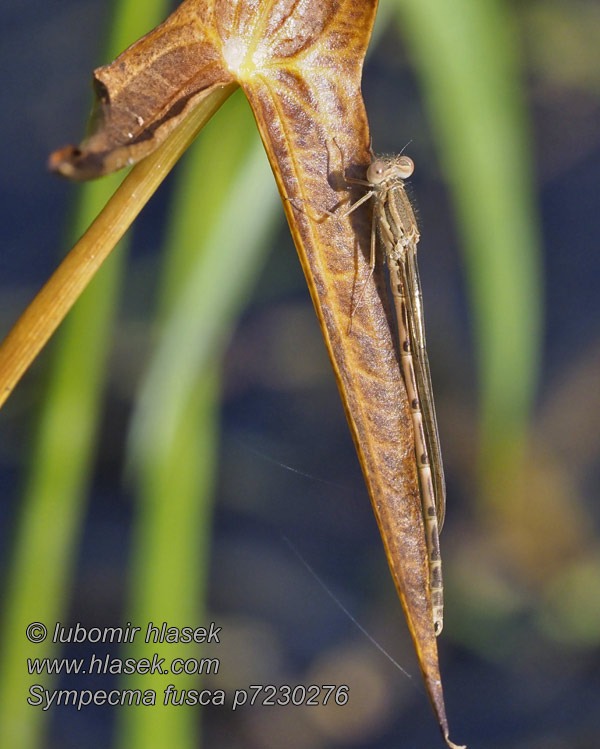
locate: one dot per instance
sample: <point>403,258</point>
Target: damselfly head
<point>383,170</point>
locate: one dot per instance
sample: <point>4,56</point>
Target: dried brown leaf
<point>299,63</point>
<point>147,91</point>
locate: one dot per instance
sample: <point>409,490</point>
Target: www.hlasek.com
<point>99,664</point>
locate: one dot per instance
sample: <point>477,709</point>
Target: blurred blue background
<point>520,651</point>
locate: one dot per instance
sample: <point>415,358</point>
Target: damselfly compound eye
<point>376,172</point>
<point>405,166</point>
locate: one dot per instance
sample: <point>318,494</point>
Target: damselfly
<point>394,221</point>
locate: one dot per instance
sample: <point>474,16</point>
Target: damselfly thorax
<point>395,224</point>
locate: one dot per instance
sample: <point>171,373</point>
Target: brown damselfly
<point>395,223</point>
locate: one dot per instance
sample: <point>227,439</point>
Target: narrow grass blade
<point>53,501</point>
<point>224,212</point>
<point>467,58</point>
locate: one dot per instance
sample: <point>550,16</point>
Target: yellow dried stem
<point>60,292</point>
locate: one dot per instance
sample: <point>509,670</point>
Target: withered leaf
<point>147,91</point>
<point>299,64</point>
